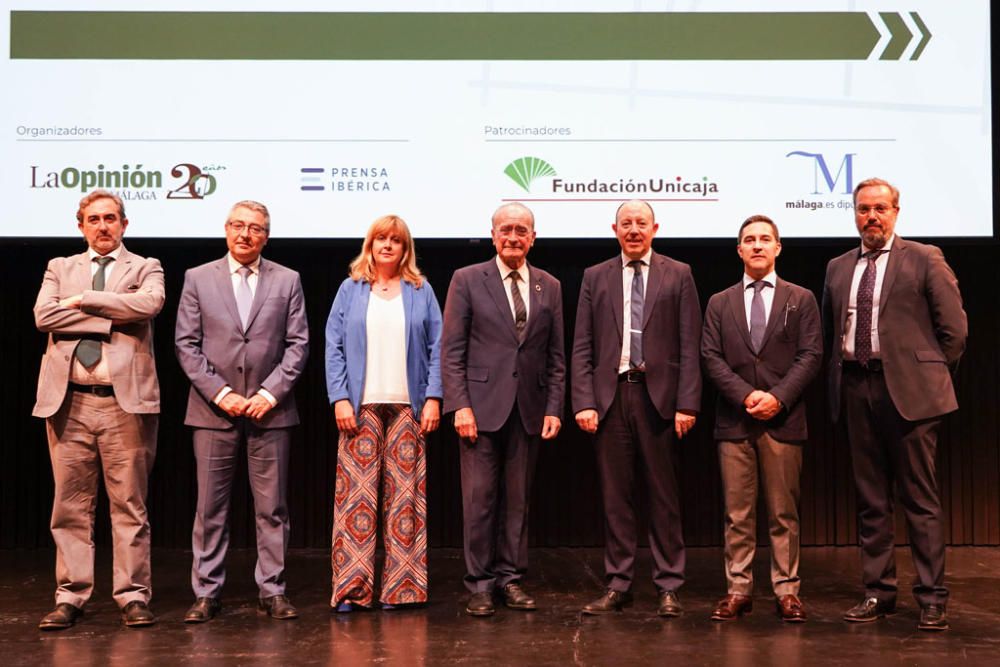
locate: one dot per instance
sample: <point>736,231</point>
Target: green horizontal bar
<point>441,36</point>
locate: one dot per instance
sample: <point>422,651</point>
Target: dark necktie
<point>520,312</point>
<point>636,300</point>
<point>244,297</point>
<point>88,352</point>
<point>758,318</point>
<point>866,294</point>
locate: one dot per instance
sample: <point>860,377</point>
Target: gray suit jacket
<point>921,326</point>
<point>121,315</point>
<point>215,351</point>
<point>789,359</point>
<point>671,329</point>
<point>485,367</point>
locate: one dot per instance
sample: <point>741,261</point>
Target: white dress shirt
<point>627,274</point>
<point>852,304</point>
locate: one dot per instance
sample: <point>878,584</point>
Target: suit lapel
<point>122,267</point>
<point>224,284</point>
<point>656,271</point>
<point>80,276</point>
<point>264,280</point>
<point>534,298</point>
<point>892,264</point>
<point>738,309</point>
<point>781,294</point>
<point>494,285</point>
<point>840,289</point>
<point>616,290</point>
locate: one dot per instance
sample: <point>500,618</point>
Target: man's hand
<point>550,427</point>
<point>72,302</point>
<point>684,421</point>
<point>430,416</point>
<point>233,404</point>
<point>587,420</point>
<point>465,424</point>
<point>343,412</point>
<point>761,405</point>
<point>257,406</point>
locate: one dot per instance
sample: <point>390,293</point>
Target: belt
<point>873,366</point>
<point>633,376</point>
<point>102,390</point>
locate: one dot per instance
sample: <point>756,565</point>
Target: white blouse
<point>385,361</point>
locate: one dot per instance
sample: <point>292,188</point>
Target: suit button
<point>239,369</point>
<point>515,373</point>
<point>246,340</point>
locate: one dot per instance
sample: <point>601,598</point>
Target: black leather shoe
<point>868,610</point>
<point>669,605</point>
<point>137,615</point>
<point>480,604</point>
<point>933,617</point>
<point>203,610</point>
<point>278,607</point>
<point>609,602</point>
<point>515,598</point>
<point>60,618</point>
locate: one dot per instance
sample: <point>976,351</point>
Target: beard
<point>874,237</point>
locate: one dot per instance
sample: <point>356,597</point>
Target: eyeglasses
<point>880,209</point>
<point>516,230</point>
<point>254,229</point>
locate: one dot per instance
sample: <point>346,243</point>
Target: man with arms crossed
<point>242,340</point>
<point>98,393</point>
<point>761,348</point>
<point>893,317</point>
<point>637,386</point>
<point>503,369</point>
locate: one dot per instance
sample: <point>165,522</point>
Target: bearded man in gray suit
<point>896,329</point>
<point>242,339</point>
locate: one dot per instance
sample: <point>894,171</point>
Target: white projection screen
<point>333,113</point>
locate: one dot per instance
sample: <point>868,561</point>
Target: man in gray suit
<point>242,339</point>
<point>503,369</point>
<point>894,322</point>
<point>761,347</point>
<point>637,386</point>
<point>98,393</point>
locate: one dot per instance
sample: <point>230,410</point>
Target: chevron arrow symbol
<point>897,36</point>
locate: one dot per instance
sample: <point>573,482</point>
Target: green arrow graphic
<point>901,36</point>
<point>442,36</point>
<point>925,33</point>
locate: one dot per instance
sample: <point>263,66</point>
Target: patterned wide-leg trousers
<point>387,451</point>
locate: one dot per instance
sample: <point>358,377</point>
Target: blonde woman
<point>383,377</point>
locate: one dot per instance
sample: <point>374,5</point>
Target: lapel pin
<point>538,288</point>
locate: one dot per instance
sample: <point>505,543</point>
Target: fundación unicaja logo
<point>524,170</point>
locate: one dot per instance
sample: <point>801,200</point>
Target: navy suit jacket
<point>671,329</point>
<point>215,351</point>
<point>483,364</point>
<point>789,359</point>
<point>921,328</point>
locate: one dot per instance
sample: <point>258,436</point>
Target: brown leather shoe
<point>137,615</point>
<point>791,609</point>
<point>277,607</point>
<point>515,598</point>
<point>203,610</point>
<point>668,605</point>
<point>611,601</point>
<point>732,607</point>
<point>60,618</point>
<point>480,604</point>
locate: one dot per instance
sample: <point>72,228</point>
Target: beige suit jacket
<point>121,316</point>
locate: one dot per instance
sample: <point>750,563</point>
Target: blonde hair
<point>363,266</point>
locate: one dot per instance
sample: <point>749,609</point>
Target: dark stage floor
<point>561,579</point>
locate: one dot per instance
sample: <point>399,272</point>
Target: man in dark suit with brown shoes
<point>761,347</point>
<point>893,319</point>
<point>637,386</point>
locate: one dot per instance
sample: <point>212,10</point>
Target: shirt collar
<point>234,265</point>
<point>886,248</point>
<point>114,254</point>
<point>645,259</point>
<point>771,279</point>
<point>505,270</point>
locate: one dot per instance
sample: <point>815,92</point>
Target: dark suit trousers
<point>216,453</point>
<point>88,436</point>
<point>886,450</point>
<point>497,472</point>
<point>633,429</point>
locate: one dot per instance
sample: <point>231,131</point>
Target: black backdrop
<point>566,505</point>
